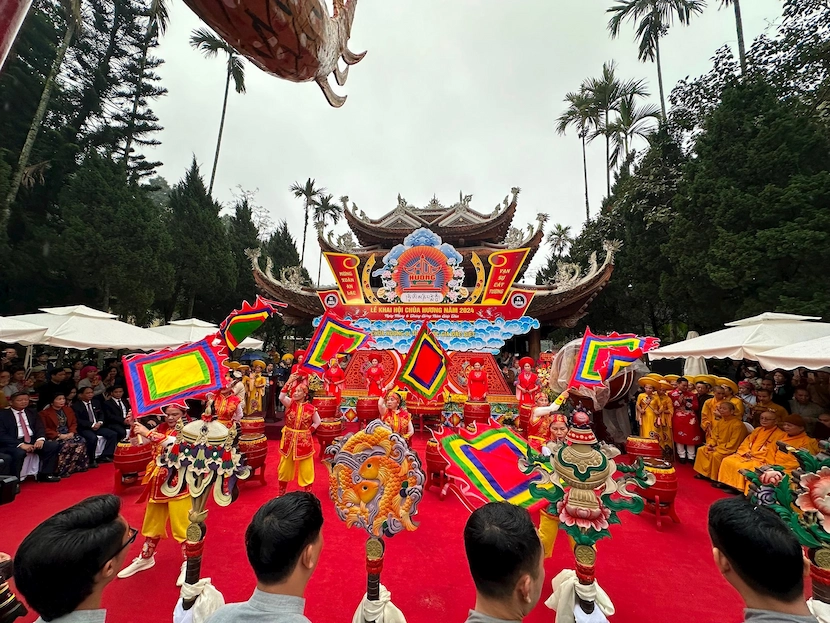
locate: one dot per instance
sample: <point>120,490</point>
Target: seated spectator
<point>505,557</point>
<point>108,378</point>
<point>117,412</point>
<point>751,376</point>
<point>9,360</point>
<point>21,433</point>
<point>822,429</point>
<point>746,392</point>
<point>17,382</point>
<point>727,434</point>
<point>710,412</point>
<point>43,360</point>
<point>55,386</point>
<point>91,378</point>
<point>762,559</point>
<point>37,375</point>
<point>77,366</point>
<point>5,379</point>
<point>62,427</point>
<point>807,409</point>
<point>764,402</point>
<point>818,384</point>
<point>91,426</point>
<point>752,452</point>
<point>793,425</point>
<point>782,390</point>
<point>283,543</point>
<point>64,564</point>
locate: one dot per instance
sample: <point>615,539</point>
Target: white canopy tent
<point>17,332</point>
<point>193,330</point>
<point>82,327</point>
<point>747,338</point>
<point>812,354</point>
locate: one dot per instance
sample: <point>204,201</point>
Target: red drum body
<point>367,409</point>
<point>524,417</point>
<point>643,447</point>
<point>436,465</point>
<point>478,412</point>
<point>665,487</point>
<point>327,407</point>
<point>252,426</point>
<point>130,459</point>
<point>255,449</point>
<point>328,431</point>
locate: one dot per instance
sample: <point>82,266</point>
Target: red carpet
<point>651,576</point>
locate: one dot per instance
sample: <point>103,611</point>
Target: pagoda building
<point>472,234</point>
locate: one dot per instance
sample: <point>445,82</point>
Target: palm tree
<point>632,121</point>
<point>560,239</point>
<point>739,26</point>
<point>606,93</point>
<point>209,45</point>
<point>310,194</point>
<point>73,25</point>
<point>583,114</point>
<point>158,18</point>
<point>325,211</point>
<point>653,18</point>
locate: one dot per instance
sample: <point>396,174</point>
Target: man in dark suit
<point>116,409</point>
<point>91,426</point>
<point>21,433</point>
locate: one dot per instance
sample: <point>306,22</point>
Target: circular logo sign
<point>331,300</point>
<point>518,301</point>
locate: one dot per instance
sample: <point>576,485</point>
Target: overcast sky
<point>452,95</point>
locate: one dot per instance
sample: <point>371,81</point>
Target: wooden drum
<point>255,449</point>
<point>422,412</point>
<point>252,425</point>
<point>367,409</point>
<point>329,430</point>
<point>524,417</point>
<point>661,495</point>
<point>478,412</point>
<point>436,465</point>
<point>326,406</point>
<point>130,461</point>
<point>643,447</point>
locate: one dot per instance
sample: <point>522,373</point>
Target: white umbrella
<point>82,327</point>
<point>193,330</point>
<point>16,332</point>
<point>812,354</point>
<point>745,339</point>
<point>694,366</point>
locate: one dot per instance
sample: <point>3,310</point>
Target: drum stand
<point>662,510</point>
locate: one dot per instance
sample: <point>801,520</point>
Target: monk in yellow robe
<point>752,452</point>
<point>664,410</point>
<point>727,434</point>
<point>648,407</point>
<point>710,412</point>
<point>730,393</point>
<point>796,437</point>
<point>764,403</point>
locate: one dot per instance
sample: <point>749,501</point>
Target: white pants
<point>617,423</point>
<point>684,451</point>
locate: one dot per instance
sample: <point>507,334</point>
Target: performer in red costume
<point>685,423</point>
<point>558,427</point>
<point>226,406</point>
<point>394,416</point>
<point>297,446</point>
<point>333,379</point>
<point>160,508</point>
<point>374,378</point>
<point>527,384</point>
<point>299,358</point>
<point>539,424</point>
<point>477,381</point>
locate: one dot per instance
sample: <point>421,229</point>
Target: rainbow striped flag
<point>426,366</point>
<point>603,356</point>
<point>242,322</point>
<point>333,337</point>
<point>174,374</point>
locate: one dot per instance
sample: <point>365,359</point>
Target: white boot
<point>138,564</point>
<point>180,579</point>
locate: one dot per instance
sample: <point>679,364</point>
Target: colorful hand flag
<point>174,374</point>
<point>602,356</point>
<point>426,366</point>
<point>333,337</point>
<point>242,322</point>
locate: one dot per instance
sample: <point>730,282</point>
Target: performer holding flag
<point>297,446</point>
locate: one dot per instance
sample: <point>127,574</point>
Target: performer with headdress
<point>160,508</point>
<point>225,406</point>
<point>374,378</point>
<point>539,424</point>
<point>255,385</point>
<point>394,415</point>
<point>236,380</point>
<point>527,383</point>
<point>333,379</point>
<point>297,446</point>
<point>477,380</point>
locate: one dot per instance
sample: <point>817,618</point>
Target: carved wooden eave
<point>457,224</point>
<point>303,302</point>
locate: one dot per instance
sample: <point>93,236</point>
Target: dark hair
<point>56,564</point>
<point>761,548</point>
<point>764,389</point>
<point>279,532</point>
<point>501,544</point>
<point>56,371</point>
<point>682,378</point>
<point>16,394</point>
<point>84,388</point>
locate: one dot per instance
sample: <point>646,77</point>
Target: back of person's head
<point>759,547</point>
<point>282,531</point>
<point>502,547</point>
<point>58,563</point>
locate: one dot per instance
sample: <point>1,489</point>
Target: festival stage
<point>651,576</point>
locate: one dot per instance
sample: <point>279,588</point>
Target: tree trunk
<point>221,128</point>
<point>585,176</point>
<point>305,230</point>
<point>191,303</point>
<point>34,128</point>
<point>607,156</point>
<point>660,78</point>
<point>319,267</point>
<point>106,302</point>
<point>141,65</point>
<point>739,25</point>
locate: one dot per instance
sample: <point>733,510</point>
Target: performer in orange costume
<point>160,507</point>
<point>333,379</point>
<point>226,406</point>
<point>374,378</point>
<point>394,416</point>
<point>527,384</point>
<point>297,446</point>
<point>477,381</point>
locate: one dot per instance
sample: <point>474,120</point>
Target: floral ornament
<point>815,494</point>
<point>583,518</point>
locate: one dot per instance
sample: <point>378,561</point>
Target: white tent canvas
<point>812,354</point>
<point>17,332</point>
<point>82,327</point>
<point>193,330</point>
<point>747,338</point>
